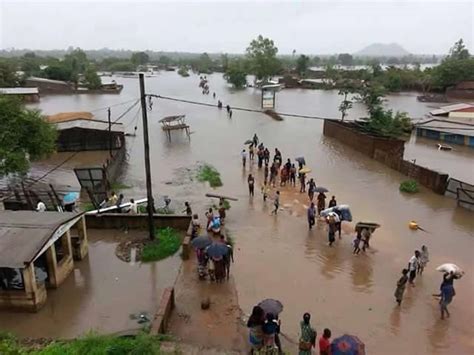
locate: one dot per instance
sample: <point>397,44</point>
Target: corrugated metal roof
<point>448,126</point>
<point>24,233</point>
<point>444,110</point>
<point>44,80</point>
<point>19,91</point>
<point>89,124</point>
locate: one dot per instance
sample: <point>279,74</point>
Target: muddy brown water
<point>277,256</point>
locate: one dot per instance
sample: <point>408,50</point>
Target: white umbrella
<point>449,267</point>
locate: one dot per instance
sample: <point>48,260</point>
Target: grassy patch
<point>94,344</point>
<point>410,186</point>
<point>166,243</point>
<point>90,344</point>
<point>118,186</point>
<point>208,173</point>
<point>88,206</point>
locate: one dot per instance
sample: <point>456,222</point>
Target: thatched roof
<point>69,116</point>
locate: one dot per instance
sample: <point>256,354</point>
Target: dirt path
<point>218,327</point>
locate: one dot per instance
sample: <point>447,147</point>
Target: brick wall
<point>160,322</point>
<point>388,151</point>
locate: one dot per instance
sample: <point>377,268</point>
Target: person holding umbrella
<point>255,324</point>
<point>321,202</point>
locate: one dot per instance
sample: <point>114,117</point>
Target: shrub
<point>210,174</point>
<point>166,243</point>
<point>410,186</point>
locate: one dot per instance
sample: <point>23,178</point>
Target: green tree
<point>123,65</point>
<point>262,57</point>
<point>76,61</point>
<point>59,71</point>
<point>236,74</point>
<point>25,137</point>
<point>346,103</point>
<point>459,51</point>
<point>372,96</point>
<point>91,79</point>
<point>140,58</point>
<point>386,123</point>
<point>345,59</point>
<point>164,60</point>
<point>204,64</point>
<point>302,64</point>
<point>8,77</point>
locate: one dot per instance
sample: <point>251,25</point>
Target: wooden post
<point>150,203</point>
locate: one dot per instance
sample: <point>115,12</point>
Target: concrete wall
<point>387,151</point>
<point>163,315</point>
<point>140,221</point>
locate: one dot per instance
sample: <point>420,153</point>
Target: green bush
<point>9,345</point>
<point>210,174</point>
<point>410,186</point>
<point>167,243</point>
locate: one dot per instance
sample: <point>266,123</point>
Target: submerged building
<point>37,252</point>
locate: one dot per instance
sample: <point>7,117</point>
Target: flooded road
<point>277,256</point>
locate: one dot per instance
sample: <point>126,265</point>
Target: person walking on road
<point>244,157</point>
<point>447,294</point>
<point>276,203</point>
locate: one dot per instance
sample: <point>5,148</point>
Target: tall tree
<point>302,64</point>
<point>139,58</point>
<point>262,57</point>
<point>345,59</point>
<point>236,74</point>
<point>25,136</point>
<point>204,64</point>
<point>8,76</point>
<point>91,79</point>
<point>459,51</point>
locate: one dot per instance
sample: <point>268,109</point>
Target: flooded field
<point>276,256</point>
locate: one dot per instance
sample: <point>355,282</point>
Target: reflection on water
<point>276,256</point>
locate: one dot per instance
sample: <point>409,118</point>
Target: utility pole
<point>150,203</point>
<point>110,132</point>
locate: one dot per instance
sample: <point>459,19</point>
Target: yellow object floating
<point>413,225</point>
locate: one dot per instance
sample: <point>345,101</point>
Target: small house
<point>26,94</point>
<point>447,130</point>
<point>37,251</point>
<point>81,131</point>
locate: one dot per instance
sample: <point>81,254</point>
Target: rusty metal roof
<point>24,233</point>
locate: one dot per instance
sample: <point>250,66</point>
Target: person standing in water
<point>244,157</point>
<point>308,336</point>
<point>265,174</point>
<point>332,202</point>
<point>401,284</point>
<point>324,343</point>
<point>413,266</point>
<point>255,139</point>
<point>251,152</point>
<point>311,215</point>
<point>331,230</point>
<point>311,187</point>
<point>321,202</point>
<point>424,258</point>
<point>302,182</point>
<point>251,182</point>
<point>293,175</point>
<point>447,294</point>
<point>276,203</point>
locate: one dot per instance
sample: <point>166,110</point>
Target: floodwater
<point>277,256</point>
<point>102,293</point>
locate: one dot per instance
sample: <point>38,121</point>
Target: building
<point>447,130</point>
<point>463,90</point>
<point>26,94</point>
<point>463,110</point>
<point>48,86</point>
<point>80,131</point>
<point>37,251</point>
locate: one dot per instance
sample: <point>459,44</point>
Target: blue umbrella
<point>70,197</point>
<point>217,250</point>
<point>201,242</point>
<point>347,345</point>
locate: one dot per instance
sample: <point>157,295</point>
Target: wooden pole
<point>150,203</point>
<point>110,131</point>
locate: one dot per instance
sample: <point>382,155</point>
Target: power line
<point>115,105</point>
<point>239,108</point>
<point>126,111</point>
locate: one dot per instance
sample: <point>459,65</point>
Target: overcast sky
<point>312,27</point>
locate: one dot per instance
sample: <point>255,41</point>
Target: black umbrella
<point>320,189</point>
<point>248,141</point>
<point>301,160</point>
<point>271,306</point>
<point>217,250</point>
<point>201,242</point>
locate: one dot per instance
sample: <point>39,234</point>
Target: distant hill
<point>382,50</point>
